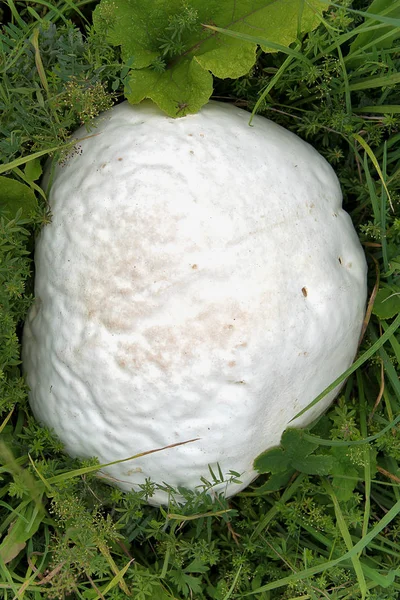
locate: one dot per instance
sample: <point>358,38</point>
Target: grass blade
<point>347,540</point>
<point>374,82</point>
<point>360,361</point>
<point>367,455</point>
<point>383,109</point>
<point>259,40</point>
<point>25,159</point>
<point>357,548</point>
<point>380,18</point>
<point>374,160</point>
<point>94,468</point>
<point>372,191</point>
<point>117,580</point>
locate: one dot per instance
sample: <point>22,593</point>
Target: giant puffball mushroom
<point>199,279</point>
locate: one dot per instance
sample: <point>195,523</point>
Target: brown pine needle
<point>371,301</point>
<point>380,395</point>
<point>388,475</point>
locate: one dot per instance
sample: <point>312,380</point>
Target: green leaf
<point>275,482</point>
<point>355,559</point>
<point>167,93</point>
<point>193,583</point>
<point>196,566</point>
<point>295,444</point>
<point>275,460</point>
<point>117,579</point>
<point>384,580</point>
<point>314,465</point>
<point>266,45</point>
<point>378,39</point>
<point>358,548</point>
<point>15,196</point>
<point>294,454</point>
<point>394,266</point>
<point>174,53</point>
<point>33,170</point>
<point>387,303</point>
<point>379,108</point>
<point>26,524</point>
<point>233,57</point>
<point>375,82</point>
<point>345,474</point>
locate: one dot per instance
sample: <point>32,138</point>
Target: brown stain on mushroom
<point>133,286</point>
<point>121,362</point>
<point>169,346</point>
<point>304,291</point>
<point>121,292</point>
<point>132,471</point>
<point>134,357</point>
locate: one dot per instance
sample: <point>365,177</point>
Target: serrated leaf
<point>275,460</point>
<point>387,303</point>
<point>275,482</point>
<point>194,583</point>
<point>293,448</point>
<point>15,196</point>
<point>314,465</point>
<point>295,445</point>
<point>196,566</point>
<point>233,57</point>
<point>135,26</point>
<point>394,263</point>
<point>185,93</point>
<point>345,474</point>
<point>164,34</point>
<point>344,484</point>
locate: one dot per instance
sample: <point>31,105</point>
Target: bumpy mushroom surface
<point>199,279</point>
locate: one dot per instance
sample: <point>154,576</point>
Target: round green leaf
<point>178,93</point>
<point>15,196</point>
<point>387,303</point>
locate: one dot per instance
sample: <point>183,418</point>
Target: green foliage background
<point>322,521</point>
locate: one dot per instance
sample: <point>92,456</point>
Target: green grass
<point>63,532</point>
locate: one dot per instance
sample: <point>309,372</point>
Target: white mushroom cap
<point>199,279</point>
